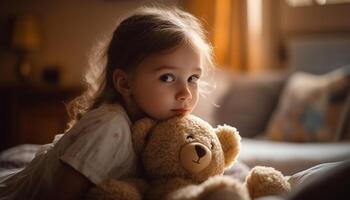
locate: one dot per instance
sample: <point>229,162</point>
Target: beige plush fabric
<point>174,155</point>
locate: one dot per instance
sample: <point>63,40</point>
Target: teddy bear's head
<point>186,147</point>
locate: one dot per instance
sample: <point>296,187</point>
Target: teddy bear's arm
<point>129,189</point>
<point>264,181</point>
<point>216,187</point>
<point>160,189</point>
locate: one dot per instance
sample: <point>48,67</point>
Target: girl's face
<point>165,85</point>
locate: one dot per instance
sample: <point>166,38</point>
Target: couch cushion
<point>249,102</point>
<point>310,107</point>
<point>290,158</point>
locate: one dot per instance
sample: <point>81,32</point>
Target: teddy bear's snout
<point>195,157</point>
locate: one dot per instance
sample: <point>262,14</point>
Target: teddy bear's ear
<point>230,142</point>
<point>140,130</point>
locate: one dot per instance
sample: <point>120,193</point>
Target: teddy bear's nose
<point>195,157</point>
<point>200,151</point>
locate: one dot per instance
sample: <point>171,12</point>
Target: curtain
<point>225,22</point>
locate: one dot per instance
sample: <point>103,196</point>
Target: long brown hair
<point>146,31</point>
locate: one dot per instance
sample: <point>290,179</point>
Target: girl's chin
<point>165,117</point>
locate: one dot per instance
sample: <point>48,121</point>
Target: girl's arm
<point>69,184</point>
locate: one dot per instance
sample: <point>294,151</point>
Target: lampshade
<point>26,34</point>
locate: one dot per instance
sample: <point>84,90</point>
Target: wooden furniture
<point>32,114</point>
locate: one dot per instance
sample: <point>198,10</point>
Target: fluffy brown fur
<point>185,157</point>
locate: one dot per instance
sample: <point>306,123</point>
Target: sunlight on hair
<point>96,63</point>
<point>205,89</point>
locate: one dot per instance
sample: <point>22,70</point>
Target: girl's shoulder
<point>98,123</point>
<point>107,112</point>
<point>106,117</point>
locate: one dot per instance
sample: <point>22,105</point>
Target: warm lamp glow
<point>25,39</point>
<point>26,35</point>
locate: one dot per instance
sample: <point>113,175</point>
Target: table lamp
<point>25,39</point>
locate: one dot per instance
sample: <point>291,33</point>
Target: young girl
<point>154,61</point>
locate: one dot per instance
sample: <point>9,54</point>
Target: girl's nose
<point>183,94</point>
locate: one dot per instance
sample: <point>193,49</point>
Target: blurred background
<point>45,47</point>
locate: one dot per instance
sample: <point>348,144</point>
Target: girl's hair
<point>147,31</point>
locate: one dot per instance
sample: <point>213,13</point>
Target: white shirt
<point>99,146</point>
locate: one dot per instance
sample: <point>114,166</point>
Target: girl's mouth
<point>181,111</point>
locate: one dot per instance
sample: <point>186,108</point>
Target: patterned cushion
<point>310,107</point>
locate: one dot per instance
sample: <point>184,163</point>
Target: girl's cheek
<point>195,92</point>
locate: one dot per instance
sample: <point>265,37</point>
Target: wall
<point>282,23</point>
<point>316,18</point>
<point>317,24</point>
<point>70,29</point>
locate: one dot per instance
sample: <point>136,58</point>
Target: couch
<point>249,102</point>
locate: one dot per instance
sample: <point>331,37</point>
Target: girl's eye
<point>167,78</point>
<point>193,79</point>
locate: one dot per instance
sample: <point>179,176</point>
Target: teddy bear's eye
<point>189,137</point>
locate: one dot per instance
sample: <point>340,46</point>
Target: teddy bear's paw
<point>190,192</point>
<point>217,187</point>
<point>263,181</point>
<point>114,190</point>
<point>225,194</point>
<point>225,188</point>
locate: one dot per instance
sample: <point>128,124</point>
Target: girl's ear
<point>121,82</point>
<point>230,142</point>
<point>140,130</point>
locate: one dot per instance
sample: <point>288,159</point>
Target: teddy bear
<point>184,158</point>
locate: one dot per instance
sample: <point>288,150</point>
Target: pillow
<point>249,102</point>
<point>310,107</point>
